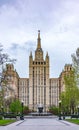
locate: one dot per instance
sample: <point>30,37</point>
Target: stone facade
<point>10,82</point>
<point>39,78</point>
<point>24,90</point>
<point>67,69</point>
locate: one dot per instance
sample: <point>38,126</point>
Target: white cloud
<point>57,20</point>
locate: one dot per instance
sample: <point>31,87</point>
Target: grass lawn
<point>76,121</point>
<point>6,122</point>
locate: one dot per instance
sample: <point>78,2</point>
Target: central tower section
<point>38,78</point>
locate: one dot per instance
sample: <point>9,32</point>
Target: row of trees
<point>70,97</point>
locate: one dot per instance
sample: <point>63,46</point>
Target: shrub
<point>26,110</point>
<point>0,117</point>
<point>54,110</point>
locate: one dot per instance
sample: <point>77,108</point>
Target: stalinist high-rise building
<point>39,89</point>
<point>38,78</point>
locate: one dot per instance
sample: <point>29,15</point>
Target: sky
<point>58,22</point>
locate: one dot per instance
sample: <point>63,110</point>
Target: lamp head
<point>59,101</point>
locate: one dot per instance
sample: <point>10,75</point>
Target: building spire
<point>38,41</point>
<point>31,53</point>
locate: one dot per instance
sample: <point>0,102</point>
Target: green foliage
<point>64,103</point>
<point>26,110</point>
<point>76,121</point>
<point>4,58</point>
<point>54,110</point>
<point>6,122</point>
<point>75,62</point>
<point>0,117</point>
<point>16,107</point>
<point>70,97</point>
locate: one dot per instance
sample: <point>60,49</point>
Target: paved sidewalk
<point>41,124</point>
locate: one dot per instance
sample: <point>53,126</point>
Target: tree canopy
<point>75,62</point>
<point>70,97</point>
<point>4,58</point>
<point>16,107</point>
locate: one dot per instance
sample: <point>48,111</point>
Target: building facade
<point>10,83</point>
<point>39,89</point>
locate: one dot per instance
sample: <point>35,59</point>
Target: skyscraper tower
<point>38,78</point>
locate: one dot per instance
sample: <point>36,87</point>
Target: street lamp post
<point>22,116</point>
<point>2,110</point>
<point>78,111</point>
<point>60,110</point>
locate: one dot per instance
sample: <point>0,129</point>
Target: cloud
<point>59,24</point>
<point>21,53</point>
<point>27,46</point>
<point>11,2</point>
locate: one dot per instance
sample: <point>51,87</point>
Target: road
<point>41,124</point>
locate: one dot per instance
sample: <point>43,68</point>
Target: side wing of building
<point>54,91</point>
<point>24,90</point>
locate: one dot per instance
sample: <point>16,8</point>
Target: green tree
<point>71,95</point>
<point>16,107</point>
<point>4,58</point>
<point>54,110</point>
<point>75,62</point>
<point>70,98</point>
<point>64,103</point>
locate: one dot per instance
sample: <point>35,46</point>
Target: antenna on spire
<point>39,40</point>
<point>38,34</point>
